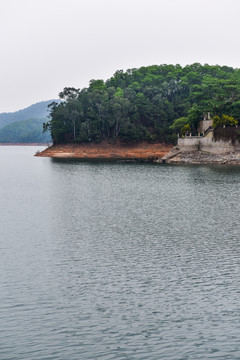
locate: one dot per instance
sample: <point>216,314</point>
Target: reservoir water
<point>118,260</point>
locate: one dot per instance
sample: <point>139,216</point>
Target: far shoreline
<point>25,144</point>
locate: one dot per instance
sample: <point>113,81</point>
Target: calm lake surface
<point>118,261</point>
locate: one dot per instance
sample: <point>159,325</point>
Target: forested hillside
<point>151,103</point>
<point>35,111</point>
<point>26,126</point>
<point>26,131</point>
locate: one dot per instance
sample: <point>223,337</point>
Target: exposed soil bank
<point>201,157</point>
<point>146,152</point>
<point>104,150</point>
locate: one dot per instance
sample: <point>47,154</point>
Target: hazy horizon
<point>48,45</point>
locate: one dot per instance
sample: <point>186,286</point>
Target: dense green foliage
<point>26,131</point>
<point>151,103</point>
<point>224,120</point>
<point>35,111</point>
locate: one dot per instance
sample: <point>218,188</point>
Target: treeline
<point>151,103</point>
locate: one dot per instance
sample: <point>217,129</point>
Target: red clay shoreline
<point>104,150</point>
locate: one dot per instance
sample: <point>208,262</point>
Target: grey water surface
<point>118,260</point>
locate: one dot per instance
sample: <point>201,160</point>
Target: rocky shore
<point>201,157</point>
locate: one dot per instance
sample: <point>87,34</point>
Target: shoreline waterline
<point>155,153</point>
<point>141,152</point>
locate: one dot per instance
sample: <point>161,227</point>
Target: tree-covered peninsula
<point>151,104</point>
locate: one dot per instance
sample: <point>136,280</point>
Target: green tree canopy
<point>150,103</point>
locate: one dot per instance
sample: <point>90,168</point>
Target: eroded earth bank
<point>143,151</point>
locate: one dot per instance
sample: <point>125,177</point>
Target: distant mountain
<point>26,131</point>
<point>35,111</point>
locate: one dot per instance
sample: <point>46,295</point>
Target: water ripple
<point>118,261</point>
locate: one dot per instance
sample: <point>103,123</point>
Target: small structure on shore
<point>205,140</point>
<point>205,124</point>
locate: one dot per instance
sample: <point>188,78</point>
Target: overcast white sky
<point>49,44</point>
